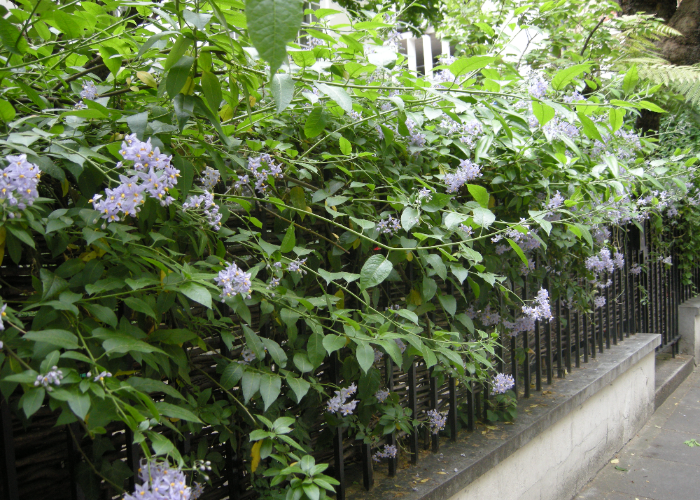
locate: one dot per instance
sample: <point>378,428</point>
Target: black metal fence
<point>40,459</point>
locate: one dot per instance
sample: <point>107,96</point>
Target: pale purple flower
<point>542,309</point>
<point>417,140</point>
<point>101,376</point>
<point>556,201</point>
<point>465,229</point>
<point>489,317</point>
<point>635,269</point>
<point>210,177</point>
<point>599,301</point>
<point>502,383</point>
<point>425,194</point>
<point>248,356</point>
<point>667,260</point>
<point>261,173</point>
<point>389,226</point>
<point>389,451</point>
<point>575,97</point>
<point>470,132</point>
<point>295,266</point>
<point>18,182</point>
<point>234,281</point>
<point>338,404</point>
<point>437,420</point>
<point>3,315</point>
<point>400,344</point>
<point>378,355</point>
<point>54,376</point>
<point>89,91</point>
<point>205,202</point>
<point>161,482</point>
<point>466,172</point>
<point>381,395</point>
<point>537,86</point>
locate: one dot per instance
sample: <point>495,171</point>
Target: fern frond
<point>684,80</point>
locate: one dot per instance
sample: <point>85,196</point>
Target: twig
<point>92,466</point>
<point>304,228</point>
<point>591,34</point>
<point>301,183</point>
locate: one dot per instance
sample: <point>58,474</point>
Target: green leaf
<point>79,404</point>
<point>270,386</point>
<point>483,217</point>
<point>566,75</point>
<point>650,106</point>
<point>409,218</point>
<point>7,112</point>
<point>113,63</point>
<point>176,52</point>
<point>480,194</point>
<point>212,90</point>
<point>139,305</point>
<point>299,386</point>
<point>315,123</point>
<point>435,261</point>
<point>52,285</point>
<point>589,127</point>
<point>175,336</point>
<point>149,385</point>
<point>518,250</point>
<point>630,80</point>
<point>231,375</point>
<point>175,411</point>
<point>365,356</point>
<point>32,400</point>
<point>68,24</point>
<point>91,235</point>
<point>315,350</point>
<point>196,292</point>
<point>304,58</point>
<point>59,338</point>
<point>102,313</point>
<point>376,269</point>
<point>339,95</point>
<point>542,112</point>
<point>301,361</point>
<point>177,76</point>
<point>449,303</point>
<point>11,38</point>
<point>250,383</point>
<point>469,64</point>
<point>345,146</point>
<point>274,350</point>
<point>271,24</point>
<point>289,240</point>
<point>333,343</point>
<point>616,118</point>
<point>282,91</point>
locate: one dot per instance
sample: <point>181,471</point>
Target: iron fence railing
<point>41,458</point>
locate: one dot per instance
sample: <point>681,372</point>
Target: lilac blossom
<point>378,355</point>
<point>619,260</point>
<point>234,281</point>
<point>489,317</point>
<point>54,376</point>
<point>295,266</point>
<point>437,420</point>
<point>3,315</point>
<point>470,132</point>
<point>381,395</point>
<point>338,404</point>
<point>502,383</point>
<point>668,261</point>
<point>635,269</point>
<point>400,344</point>
<point>522,324</point>
<point>542,309</point>
<point>599,301</point>
<point>389,451</point>
<point>575,97</point>
<point>466,172</point>
<point>261,173</point>
<point>558,127</point>
<point>601,262</point>
<point>100,377</point>
<point>248,356</point>
<point>389,226</point>
<point>425,194</point>
<point>501,249</point>
<point>161,482</point>
<point>210,177</point>
<point>537,86</point>
<point>206,203</point>
<point>555,201</point>
<point>466,229</point>
<point>18,182</point>
<point>417,140</point>
<point>274,283</point>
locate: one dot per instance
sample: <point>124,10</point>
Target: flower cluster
<point>542,309</point>
<point>248,356</point>
<point>18,182</point>
<point>467,171</point>
<point>522,324</point>
<point>555,201</point>
<point>381,395</point>
<point>261,173</point>
<point>558,127</point>
<point>234,281</point>
<point>604,262</point>
<point>154,172</point>
<point>436,420</point>
<point>537,86</point>
<point>425,194</point>
<point>470,132</point>
<point>210,177</point>
<point>210,209</point>
<point>161,482</point>
<point>489,317</point>
<point>389,451</point>
<point>502,383</point>
<point>3,314</point>
<point>467,230</point>
<point>575,97</point>
<point>635,269</point>
<point>338,402</point>
<point>100,377</point>
<point>89,92</point>
<point>295,266</point>
<point>389,226</point>
<point>599,301</point>
<point>53,377</point>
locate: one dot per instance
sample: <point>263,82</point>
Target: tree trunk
<point>682,50</point>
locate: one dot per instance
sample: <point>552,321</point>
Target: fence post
<point>8,474</point>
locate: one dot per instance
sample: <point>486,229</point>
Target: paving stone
<point>652,478</point>
<point>685,419</point>
<point>595,494</point>
<point>669,445</point>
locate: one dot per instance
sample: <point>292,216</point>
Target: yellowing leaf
<point>615,461</point>
<point>409,256</point>
<point>255,456</point>
<point>341,303</point>
<point>226,113</point>
<point>146,78</point>
<point>414,297</point>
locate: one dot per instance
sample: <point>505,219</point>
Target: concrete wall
<point>560,461</point>
<point>689,327</point>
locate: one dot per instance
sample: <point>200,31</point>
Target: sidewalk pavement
<point>656,464</point>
